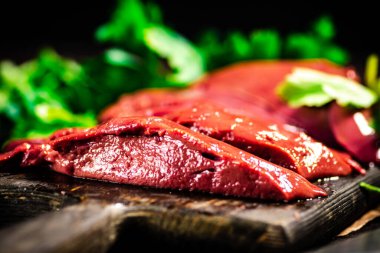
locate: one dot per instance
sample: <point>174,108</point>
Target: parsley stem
<point>370,187</point>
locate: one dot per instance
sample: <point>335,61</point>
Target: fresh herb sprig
<point>42,95</point>
<point>308,87</point>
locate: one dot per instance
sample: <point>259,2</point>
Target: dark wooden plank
<point>229,223</point>
<point>88,227</point>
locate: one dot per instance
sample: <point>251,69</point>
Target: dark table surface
<point>40,205</point>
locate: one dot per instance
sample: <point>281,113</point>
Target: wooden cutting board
<point>97,216</point>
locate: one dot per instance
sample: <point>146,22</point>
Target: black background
<point>68,26</point>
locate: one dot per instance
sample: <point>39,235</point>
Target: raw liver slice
<point>150,102</point>
<point>159,102</point>
<point>156,152</point>
<point>278,143</point>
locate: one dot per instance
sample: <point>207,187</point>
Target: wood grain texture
<point>199,221</point>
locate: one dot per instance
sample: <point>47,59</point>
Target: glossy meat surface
<point>156,152</point>
<point>278,143</point>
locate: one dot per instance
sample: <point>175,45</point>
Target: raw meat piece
<point>281,144</point>
<point>156,152</point>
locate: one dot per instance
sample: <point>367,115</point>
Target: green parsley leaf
<point>335,54</point>
<point>121,58</point>
<point>48,113</point>
<point>240,46</point>
<point>127,23</point>
<point>183,58</point>
<point>266,44</point>
<point>302,46</point>
<point>324,28</point>
<point>318,43</point>
<point>40,96</point>
<point>307,87</point>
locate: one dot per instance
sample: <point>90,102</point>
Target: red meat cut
<point>156,152</point>
<point>281,144</point>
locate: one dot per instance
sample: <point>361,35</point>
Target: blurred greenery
<point>219,50</point>
<point>266,44</point>
<point>41,95</point>
<point>317,43</point>
<point>52,92</point>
